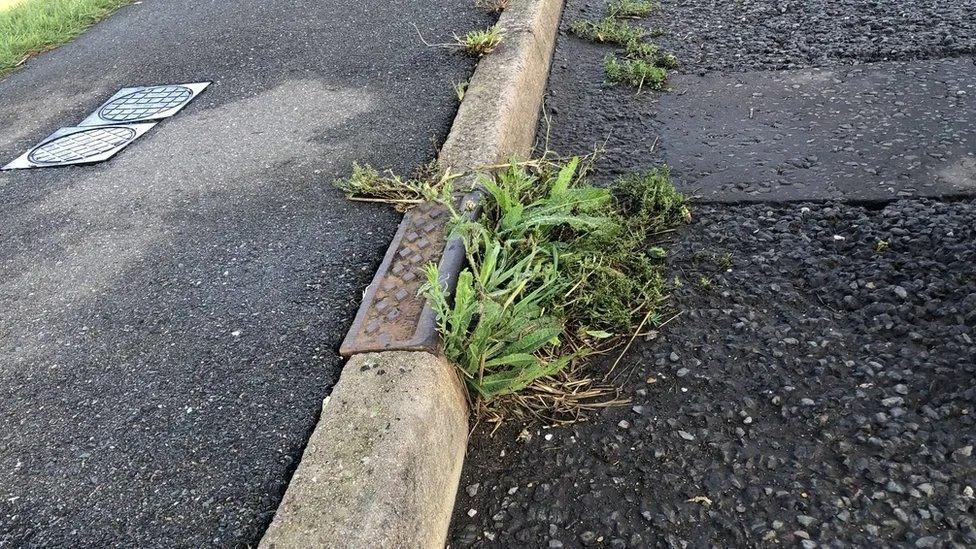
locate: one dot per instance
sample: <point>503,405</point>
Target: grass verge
<point>557,270</point>
<point>35,26</point>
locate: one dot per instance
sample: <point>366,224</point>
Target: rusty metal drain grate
<point>79,145</point>
<point>394,314</point>
<point>144,103</point>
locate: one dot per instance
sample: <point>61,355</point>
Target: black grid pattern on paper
<point>145,103</point>
<point>81,145</point>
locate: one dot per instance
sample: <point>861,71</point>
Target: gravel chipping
<point>819,388</point>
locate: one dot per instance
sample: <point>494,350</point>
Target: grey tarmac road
<point>169,319</point>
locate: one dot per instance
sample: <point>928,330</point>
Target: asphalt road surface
<point>817,388</point>
<point>169,319</point>
<point>855,100</point>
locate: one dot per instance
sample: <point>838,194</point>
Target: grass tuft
<point>635,72</point>
<point>631,8</point>
<point>556,270</point>
<point>643,65</point>
<point>30,27</point>
<point>366,184</point>
<point>481,42</point>
<point>608,31</point>
<point>460,89</point>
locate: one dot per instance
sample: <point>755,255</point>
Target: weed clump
<point>607,31</point>
<point>638,49</point>
<point>493,6</point>
<point>644,64</point>
<point>651,200</point>
<point>666,60</point>
<point>631,8</point>
<point>651,53</point>
<point>366,184</point>
<point>480,42</point>
<point>556,269</point>
<point>460,90</point>
<point>638,73</point>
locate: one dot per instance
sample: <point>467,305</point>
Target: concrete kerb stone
<point>382,467</point>
<point>498,117</point>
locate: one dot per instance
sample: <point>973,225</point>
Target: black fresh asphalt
<point>851,100</point>
<point>169,319</point>
<point>817,393</point>
<point>805,134</point>
<point>819,385</point>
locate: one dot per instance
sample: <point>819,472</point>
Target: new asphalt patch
<point>870,132</point>
<point>819,388</point>
<point>837,129</point>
